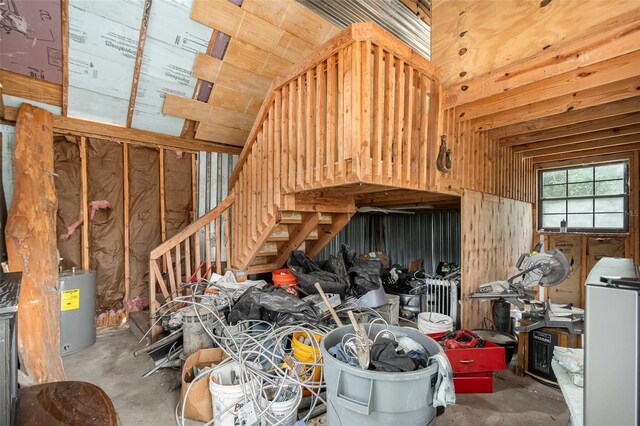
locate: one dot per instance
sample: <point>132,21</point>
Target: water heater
<point>77,310</point>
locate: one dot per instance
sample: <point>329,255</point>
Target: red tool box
<point>473,367</point>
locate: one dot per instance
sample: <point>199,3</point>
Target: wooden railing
<point>188,255</point>
<point>362,109</point>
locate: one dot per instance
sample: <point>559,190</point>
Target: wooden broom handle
<point>326,301</point>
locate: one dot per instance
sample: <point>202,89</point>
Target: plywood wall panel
<point>495,231</point>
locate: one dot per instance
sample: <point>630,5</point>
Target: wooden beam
<point>127,260</point>
<point>575,129</point>
<point>595,137</point>
<point>64,6</point>
<point>298,235</point>
<point>568,118</point>
<point>85,204</point>
<point>77,127</point>
<point>616,69</point>
<point>611,92</point>
<point>590,50</point>
<point>31,246</point>
<point>163,223</point>
<point>138,64</point>
<point>338,221</point>
<point>558,151</point>
<point>29,88</point>
<point>592,152</point>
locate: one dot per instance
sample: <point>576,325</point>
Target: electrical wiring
<point>261,342</point>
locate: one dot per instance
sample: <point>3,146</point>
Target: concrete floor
<point>111,365</point>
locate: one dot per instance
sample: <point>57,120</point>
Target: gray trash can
<point>77,311</point>
<point>362,397</point>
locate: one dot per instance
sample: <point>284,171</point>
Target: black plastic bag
<point>271,304</point>
<point>307,272</point>
<point>364,275</point>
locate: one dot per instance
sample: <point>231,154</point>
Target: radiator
<point>441,296</point>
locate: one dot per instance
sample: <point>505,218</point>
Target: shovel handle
<point>326,302</point>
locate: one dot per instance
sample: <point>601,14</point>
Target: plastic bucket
<point>194,335</point>
<point>308,353</point>
<point>432,322</point>
<point>227,397</point>
<point>283,413</point>
<point>283,278</point>
<point>357,396</point>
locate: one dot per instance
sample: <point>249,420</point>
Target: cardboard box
<point>598,247</point>
<point>377,255</point>
<point>198,404</point>
<point>570,290</point>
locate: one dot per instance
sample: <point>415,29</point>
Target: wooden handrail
<point>193,227</point>
<point>366,31</point>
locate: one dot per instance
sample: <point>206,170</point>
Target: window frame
<point>566,198</point>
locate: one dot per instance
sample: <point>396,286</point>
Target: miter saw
<point>545,269</point>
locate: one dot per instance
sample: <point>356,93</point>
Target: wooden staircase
<point>359,116</point>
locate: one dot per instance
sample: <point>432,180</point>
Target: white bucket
<point>224,394</point>
<point>431,322</point>
<point>283,413</point>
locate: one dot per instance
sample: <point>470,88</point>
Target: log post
<point>31,245</point>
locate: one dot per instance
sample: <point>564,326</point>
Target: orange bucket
<point>283,278</point>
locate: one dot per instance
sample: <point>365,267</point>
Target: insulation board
<point>31,38</point>
<point>103,42</point>
<point>172,43</point>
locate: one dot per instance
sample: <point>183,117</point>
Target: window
<point>590,198</point>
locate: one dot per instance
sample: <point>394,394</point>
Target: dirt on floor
<point>151,401</point>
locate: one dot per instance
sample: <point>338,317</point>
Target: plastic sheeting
<point>144,215</point>
<point>106,229</point>
<point>178,192</point>
<point>69,190</point>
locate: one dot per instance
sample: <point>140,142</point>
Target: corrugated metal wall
<point>214,170</point>
<point>432,236</point>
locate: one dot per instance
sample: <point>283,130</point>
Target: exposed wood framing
<point>163,223</point>
<point>138,64</point>
<point>64,5</point>
<point>75,127</point>
<point>596,125</point>
<point>29,88</point>
<point>611,92</point>
<point>127,255</point>
<point>85,203</point>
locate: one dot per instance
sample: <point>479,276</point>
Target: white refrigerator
<point>612,344</point>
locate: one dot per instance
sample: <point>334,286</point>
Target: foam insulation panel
<point>172,43</point>
<point>31,41</point>
<point>103,43</point>
<point>16,102</point>
<point>8,178</point>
